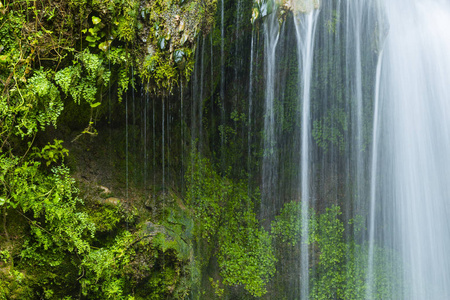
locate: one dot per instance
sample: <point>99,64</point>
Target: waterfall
<point>341,111</point>
<point>250,108</point>
<point>370,132</point>
<point>270,159</point>
<point>200,103</point>
<point>126,148</point>
<point>305,25</point>
<point>412,187</point>
<point>163,150</point>
<point>354,91</point>
<point>371,217</point>
<point>222,83</point>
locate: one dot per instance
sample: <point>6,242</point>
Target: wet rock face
<point>262,8</point>
<point>156,201</point>
<point>112,201</point>
<point>152,228</point>
<point>149,202</point>
<point>169,29</point>
<point>299,6</point>
<point>165,196</point>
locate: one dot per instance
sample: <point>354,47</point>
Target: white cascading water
<point>270,159</point>
<point>305,27</point>
<point>354,37</point>
<point>411,197</point>
<point>371,218</point>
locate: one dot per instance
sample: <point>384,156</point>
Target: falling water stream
<point>399,173</point>
<point>355,91</point>
<point>370,269</point>
<point>250,108</point>
<point>412,188</point>
<point>222,82</point>
<point>200,103</point>
<point>126,149</point>
<point>305,25</point>
<point>270,159</point>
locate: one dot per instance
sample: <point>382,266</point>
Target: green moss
<point>106,217</point>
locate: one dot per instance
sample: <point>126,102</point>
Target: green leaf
<point>96,20</point>
<point>104,46</point>
<point>93,31</point>
<point>93,105</point>
<point>91,39</point>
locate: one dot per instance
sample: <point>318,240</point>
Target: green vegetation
<point>226,220</point>
<point>340,266</point>
<point>330,130</point>
<point>55,245</point>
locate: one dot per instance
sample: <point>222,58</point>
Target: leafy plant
<point>226,220</point>
<point>80,80</point>
<point>95,33</point>
<point>51,153</point>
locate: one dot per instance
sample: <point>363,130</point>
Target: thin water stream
<point>270,158</point>
<point>305,25</point>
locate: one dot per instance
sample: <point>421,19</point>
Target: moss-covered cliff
<point>65,67</point>
<point>132,148</point>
